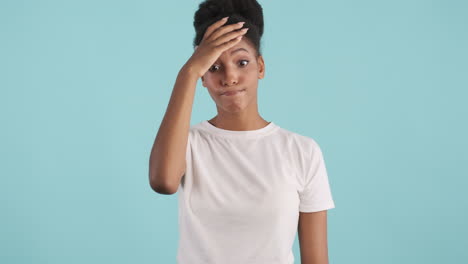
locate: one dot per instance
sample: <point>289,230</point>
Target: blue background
<point>380,85</point>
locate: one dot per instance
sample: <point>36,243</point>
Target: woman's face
<point>236,70</point>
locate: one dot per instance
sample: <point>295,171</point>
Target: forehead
<point>240,48</point>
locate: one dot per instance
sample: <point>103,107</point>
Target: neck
<point>238,123</point>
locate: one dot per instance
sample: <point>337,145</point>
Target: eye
<point>211,69</point>
<point>216,67</point>
<point>245,61</point>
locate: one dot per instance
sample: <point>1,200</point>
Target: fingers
<point>228,44</point>
<point>214,26</point>
<point>230,36</point>
<point>223,37</point>
<point>225,29</point>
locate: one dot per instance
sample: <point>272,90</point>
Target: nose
<point>230,77</point>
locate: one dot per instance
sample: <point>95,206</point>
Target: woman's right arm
<point>167,158</point>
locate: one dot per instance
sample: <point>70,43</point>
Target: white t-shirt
<point>240,198</point>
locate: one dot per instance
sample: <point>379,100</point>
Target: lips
<point>229,93</point>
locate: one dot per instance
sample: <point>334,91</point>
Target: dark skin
<point>240,112</point>
<point>312,232</point>
<point>240,70</point>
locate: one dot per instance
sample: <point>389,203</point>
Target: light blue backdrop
<point>381,86</point>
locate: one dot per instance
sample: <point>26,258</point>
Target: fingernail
<point>224,18</point>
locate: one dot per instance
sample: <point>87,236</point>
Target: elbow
<point>161,187</point>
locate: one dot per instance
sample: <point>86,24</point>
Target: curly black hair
<point>249,11</point>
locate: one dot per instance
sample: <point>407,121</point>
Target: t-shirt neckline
<point>241,134</point>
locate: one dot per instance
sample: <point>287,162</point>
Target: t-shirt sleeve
<point>188,160</point>
<point>316,194</point>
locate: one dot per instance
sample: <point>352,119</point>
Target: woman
<point>245,185</point>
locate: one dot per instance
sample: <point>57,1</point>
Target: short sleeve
<point>316,194</point>
<point>188,159</point>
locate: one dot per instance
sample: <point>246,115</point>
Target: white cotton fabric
<point>240,198</point>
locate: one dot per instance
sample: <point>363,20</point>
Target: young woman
<point>246,185</point>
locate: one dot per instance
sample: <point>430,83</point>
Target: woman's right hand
<point>216,40</point>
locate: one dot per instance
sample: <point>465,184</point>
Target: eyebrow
<point>239,49</point>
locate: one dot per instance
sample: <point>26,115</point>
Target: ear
<point>261,67</point>
<point>203,81</point>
